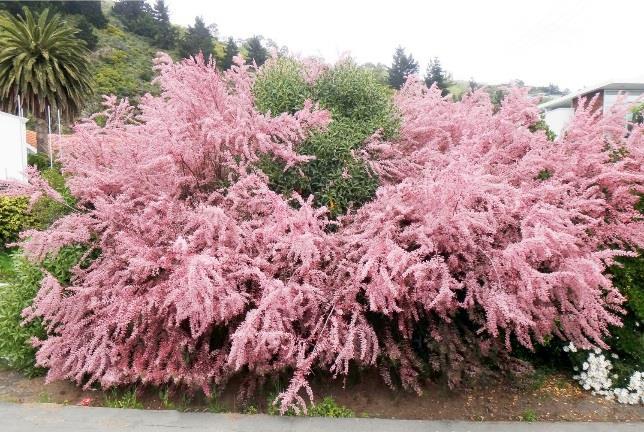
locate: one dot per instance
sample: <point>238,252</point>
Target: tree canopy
<point>436,75</point>
<point>402,66</point>
<point>255,51</point>
<point>198,38</point>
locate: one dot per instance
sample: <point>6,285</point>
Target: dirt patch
<point>555,397</point>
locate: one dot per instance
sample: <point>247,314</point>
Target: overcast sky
<point>572,43</point>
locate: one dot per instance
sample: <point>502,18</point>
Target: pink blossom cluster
<point>483,234</point>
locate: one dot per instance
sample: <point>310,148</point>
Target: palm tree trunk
<point>42,143</point>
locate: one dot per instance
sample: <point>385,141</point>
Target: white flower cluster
<point>596,376</point>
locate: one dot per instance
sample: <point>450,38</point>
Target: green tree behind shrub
<point>359,104</point>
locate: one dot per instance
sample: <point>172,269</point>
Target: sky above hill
<point>572,43</point>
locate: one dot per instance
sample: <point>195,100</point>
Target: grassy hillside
<point>121,64</point>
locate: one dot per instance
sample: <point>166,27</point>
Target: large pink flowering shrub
<point>482,235</point>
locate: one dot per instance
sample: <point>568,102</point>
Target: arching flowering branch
<point>483,234</point>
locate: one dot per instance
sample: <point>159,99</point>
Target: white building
<point>13,147</point>
<point>558,112</point>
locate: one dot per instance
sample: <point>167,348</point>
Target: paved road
<point>58,418</point>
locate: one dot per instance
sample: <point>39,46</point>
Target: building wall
<point>558,118</point>
<point>13,149</point>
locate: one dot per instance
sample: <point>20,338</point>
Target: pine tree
<point>255,51</point>
<point>436,75</point>
<point>402,66</point>
<point>165,37</point>
<point>197,39</point>
<point>231,51</point>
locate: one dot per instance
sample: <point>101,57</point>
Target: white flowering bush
<point>597,376</point>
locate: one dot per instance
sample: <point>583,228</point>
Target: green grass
<point>122,399</point>
<point>44,397</point>
<point>529,415</point>
<point>327,407</point>
<point>6,266</point>
<point>215,405</point>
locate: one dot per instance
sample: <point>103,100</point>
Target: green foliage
<point>250,410</point>
<point>436,75</point>
<point>628,341</point>
<point>354,93</point>
<point>529,415</point>
<point>46,210</point>
<point>122,399</point>
<point>328,407</point>
<point>401,66</point>
<point>122,65</point>
<point>21,288</point>
<point>85,32</point>
<point>91,10</point>
<point>230,52</point>
<point>281,88</point>
<point>137,16</point>
<point>39,160</point>
<point>17,294</point>
<point>638,114</point>
<point>164,396</point>
<point>544,174</point>
<point>43,60</point>
<point>359,104</point>
<point>255,51</point>
<point>6,265</point>
<point>197,39</point>
<point>165,33</point>
<point>215,405</point>
<point>14,217</point>
<point>541,125</point>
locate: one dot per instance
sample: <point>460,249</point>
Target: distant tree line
<point>403,65</point>
<point>153,21</point>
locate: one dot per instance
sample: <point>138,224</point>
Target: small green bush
<point>281,88</point>
<point>17,294</point>
<point>628,341</point>
<point>123,399</point>
<point>46,210</point>
<point>39,160</point>
<point>328,407</point>
<point>15,349</point>
<point>14,217</point>
<point>360,105</point>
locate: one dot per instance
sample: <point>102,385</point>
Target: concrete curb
<point>60,418</point>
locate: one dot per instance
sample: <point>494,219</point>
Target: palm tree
<point>43,63</point>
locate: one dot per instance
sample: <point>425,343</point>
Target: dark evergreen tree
<point>255,51</point>
<point>231,51</point>
<point>86,32</point>
<point>402,66</point>
<point>165,34</point>
<point>90,10</point>
<point>197,39</point>
<point>473,85</point>
<point>436,75</point>
<point>137,16</point>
